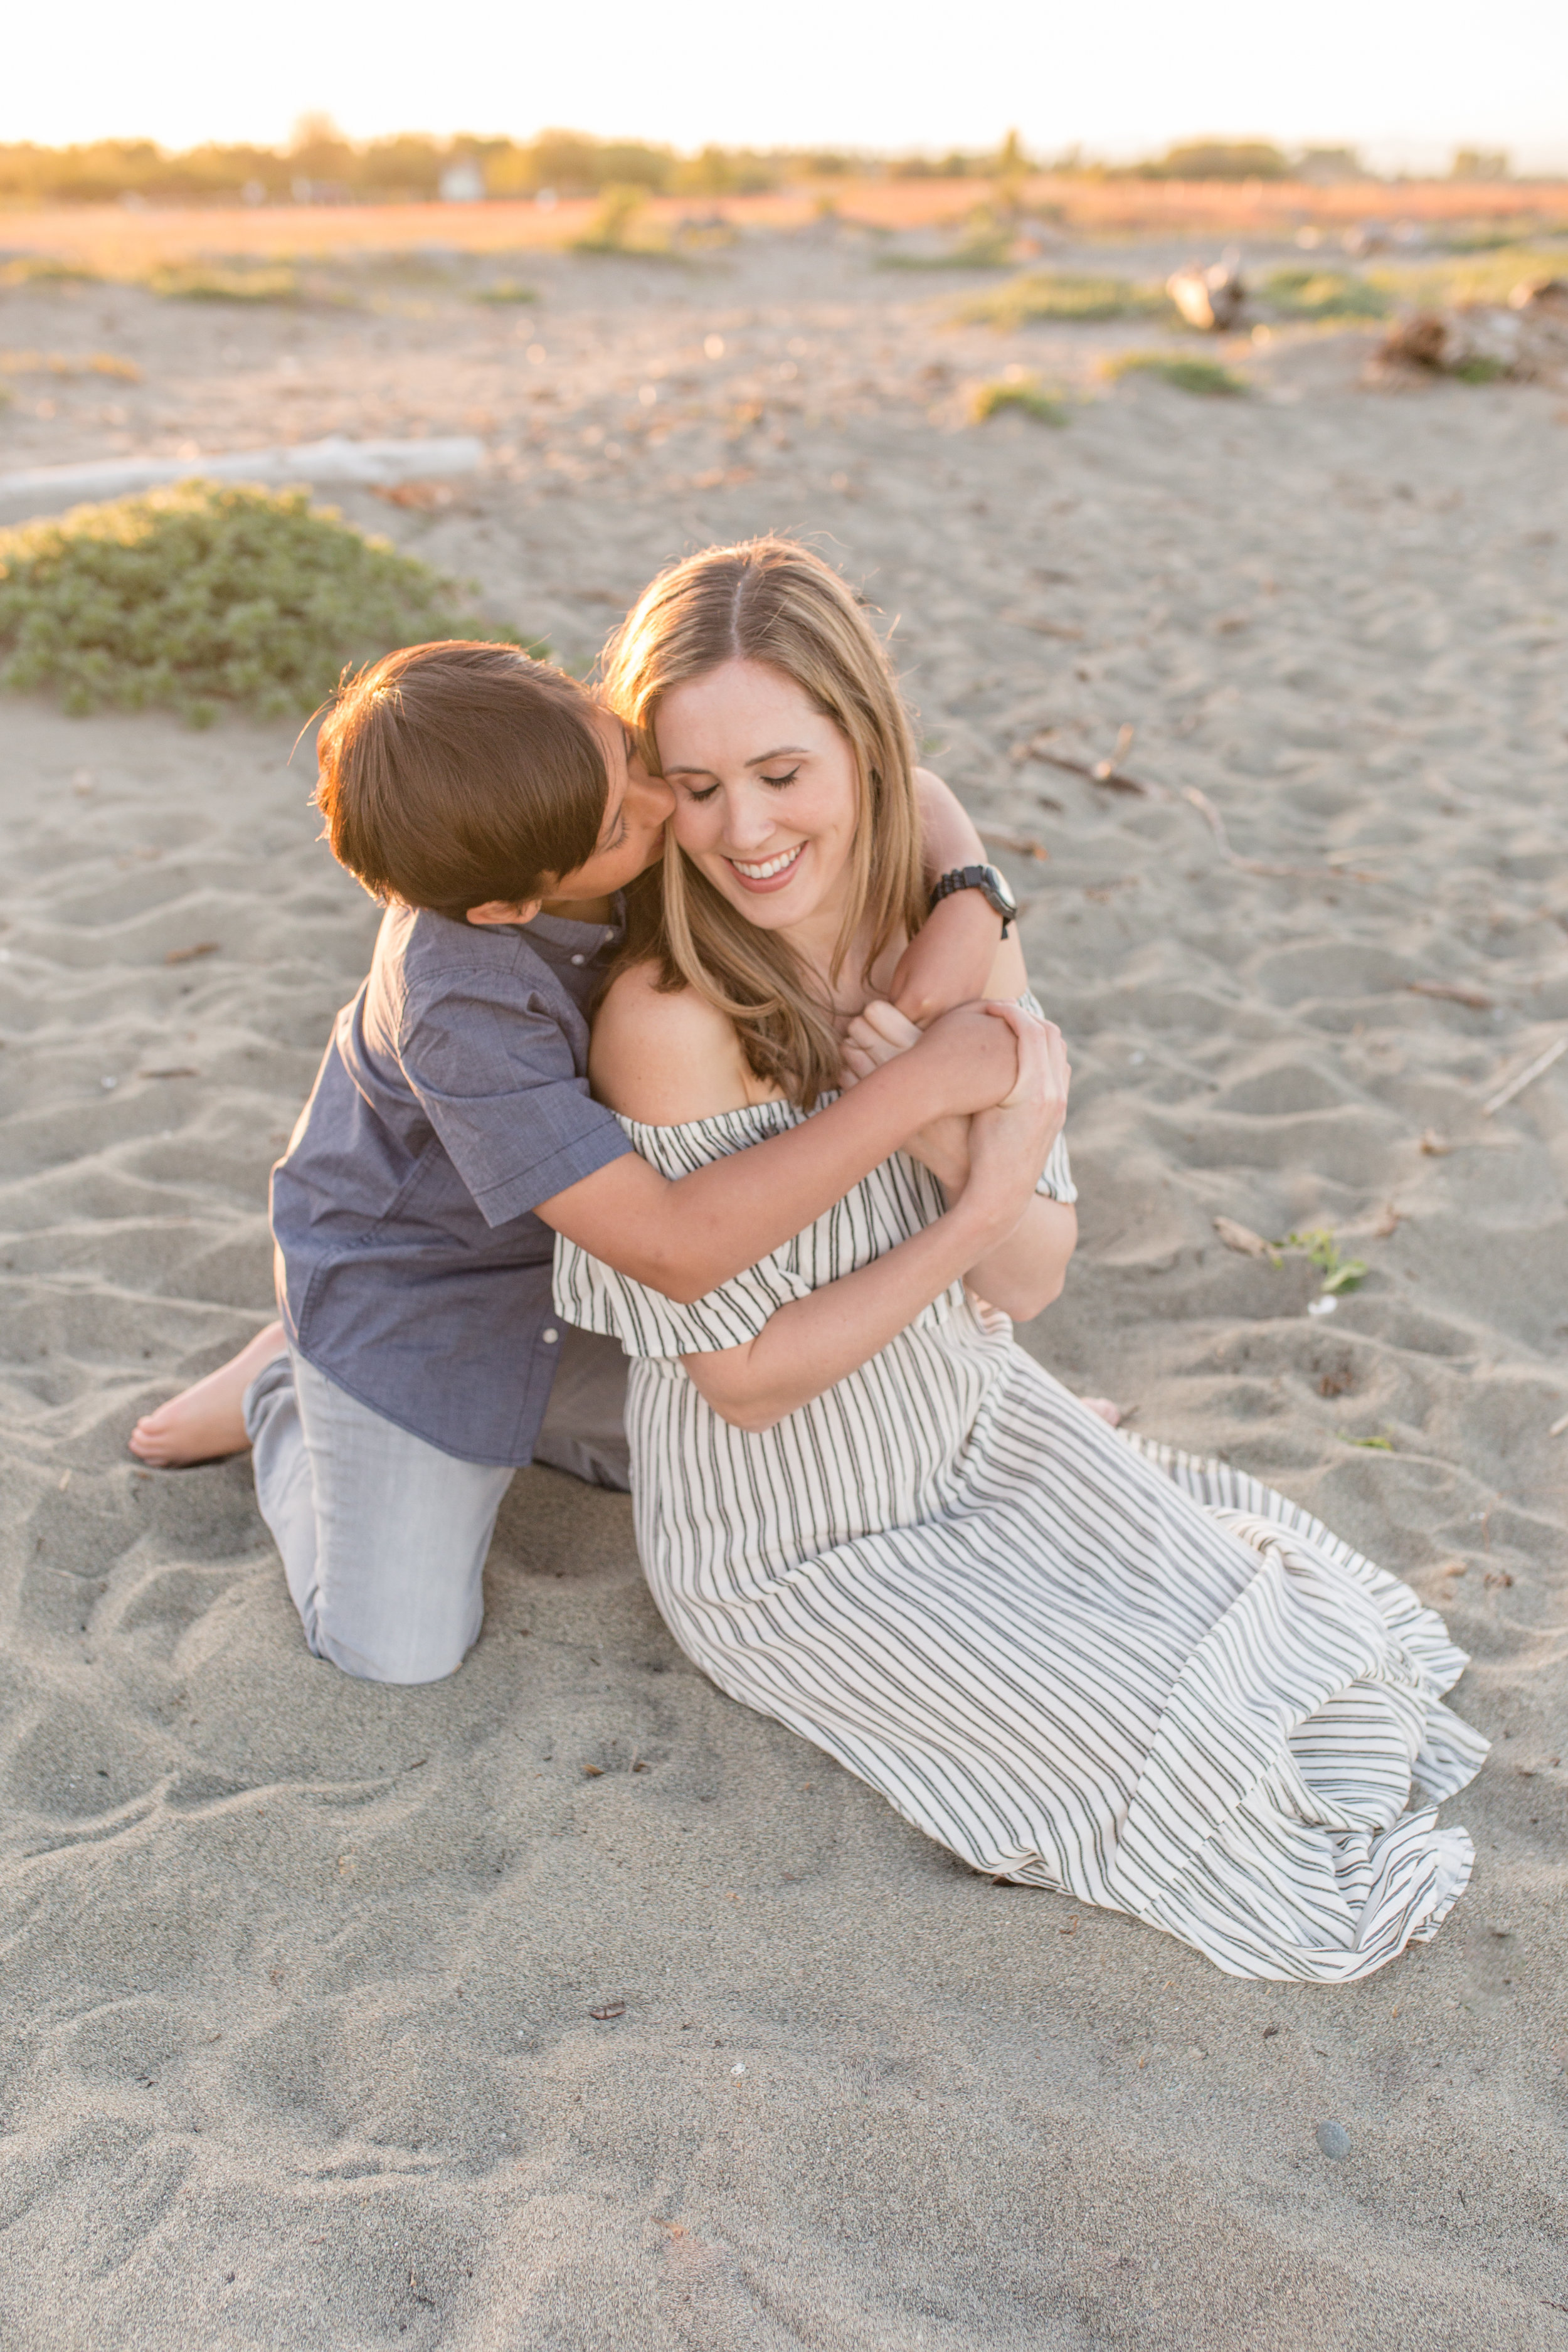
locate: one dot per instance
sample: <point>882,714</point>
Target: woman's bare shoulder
<point>665,1058</point>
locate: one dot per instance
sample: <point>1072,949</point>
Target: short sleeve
<point>1056,1181</point>
<point>592,1296</point>
<point>494,1072</point>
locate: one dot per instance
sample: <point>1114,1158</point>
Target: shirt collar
<point>575,940</point>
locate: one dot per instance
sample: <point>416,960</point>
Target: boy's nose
<point>653,800</point>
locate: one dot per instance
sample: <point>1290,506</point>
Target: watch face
<point>1000,896</point>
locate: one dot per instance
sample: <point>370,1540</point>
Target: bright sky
<point>1406,83</point>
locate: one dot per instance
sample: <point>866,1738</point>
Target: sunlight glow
<point>1407,86</point>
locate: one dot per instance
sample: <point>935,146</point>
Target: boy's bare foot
<point>207,1420</point>
<point>1102,1405</point>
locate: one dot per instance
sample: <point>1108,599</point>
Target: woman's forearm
<point>1024,1273</point>
<point>810,1345</point>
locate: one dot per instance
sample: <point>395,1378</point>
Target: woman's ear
<point>499,910</point>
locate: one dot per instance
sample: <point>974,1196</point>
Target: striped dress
<point>1077,1660</point>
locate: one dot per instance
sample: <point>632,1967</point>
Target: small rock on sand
<point>1335,2140</point>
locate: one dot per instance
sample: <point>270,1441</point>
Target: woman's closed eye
<point>698,795</point>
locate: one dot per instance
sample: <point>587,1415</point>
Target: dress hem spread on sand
<point>1077,1659</point>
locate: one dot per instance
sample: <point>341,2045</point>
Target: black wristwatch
<point>991,886</point>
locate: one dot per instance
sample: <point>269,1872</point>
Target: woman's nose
<point>747,821</point>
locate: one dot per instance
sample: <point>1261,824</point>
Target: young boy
<point>500,812</point>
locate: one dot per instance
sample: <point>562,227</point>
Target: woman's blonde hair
<point>769,600</point>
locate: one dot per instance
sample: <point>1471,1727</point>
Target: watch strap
<point>987,880</point>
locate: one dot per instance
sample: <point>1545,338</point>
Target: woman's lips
<point>766,873</point>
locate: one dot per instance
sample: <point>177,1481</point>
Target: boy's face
<point>631,838</point>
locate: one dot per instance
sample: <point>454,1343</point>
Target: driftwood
<point>49,489</point>
<point>1525,339</point>
<point>1210,299</point>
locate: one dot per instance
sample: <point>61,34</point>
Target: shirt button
<point>550,1335</point>
<point>579,958</point>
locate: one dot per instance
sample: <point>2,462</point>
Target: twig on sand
<point>1243,1240</point>
<point>1108,772</point>
<point>1021,845</point>
<point>1527,1077</point>
<point>1216,823</point>
<point>1453,992</point>
<point>1113,777</point>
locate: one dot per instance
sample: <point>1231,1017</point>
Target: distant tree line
<point>320,165</point>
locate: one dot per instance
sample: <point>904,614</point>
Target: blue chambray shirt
<point>452,1100</point>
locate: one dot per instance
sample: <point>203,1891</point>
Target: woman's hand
<point>880,1034</point>
<point>1021,1261</point>
<point>1010,1145</point>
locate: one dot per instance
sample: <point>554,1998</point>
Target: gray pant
<point>384,1536</point>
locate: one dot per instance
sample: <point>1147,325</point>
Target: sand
<point>566,2004</point>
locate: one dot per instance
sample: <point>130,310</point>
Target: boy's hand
<point>966,1062</point>
<point>948,960</point>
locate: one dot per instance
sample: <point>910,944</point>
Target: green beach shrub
<point>611,230</point>
<point>1060,295</point>
<point>210,592</point>
<point>506,289</point>
<point>1203,376</point>
<point>988,244</point>
<point>203,281</point>
<point>1024,393</point>
<point>45,270</point>
<point>1323,294</point>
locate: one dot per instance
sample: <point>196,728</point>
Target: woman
<point>1077,1663</point>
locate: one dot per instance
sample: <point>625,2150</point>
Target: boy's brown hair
<point>456,774</point>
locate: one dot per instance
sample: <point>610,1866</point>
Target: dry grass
<point>69,363</point>
<point>105,240</point>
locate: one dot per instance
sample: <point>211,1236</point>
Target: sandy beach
<point>566,2005</point>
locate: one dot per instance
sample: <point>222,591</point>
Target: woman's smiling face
<point>767,797</point>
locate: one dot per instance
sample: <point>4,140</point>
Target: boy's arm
<point>949,961</point>
<point>685,1236</point>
